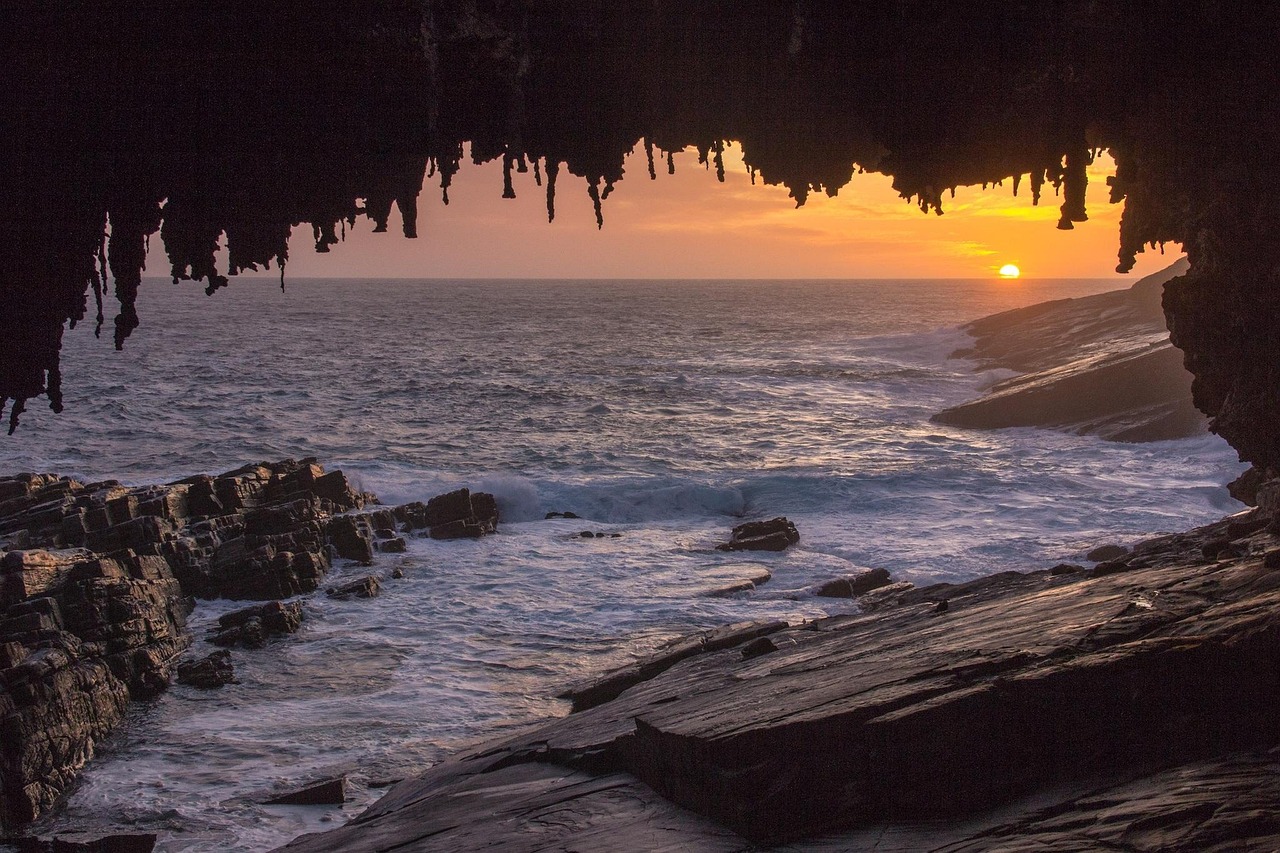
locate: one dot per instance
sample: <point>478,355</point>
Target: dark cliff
<point>248,120</point>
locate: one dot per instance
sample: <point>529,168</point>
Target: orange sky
<point>689,226</point>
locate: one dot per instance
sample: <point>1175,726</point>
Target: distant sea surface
<point>666,411</point>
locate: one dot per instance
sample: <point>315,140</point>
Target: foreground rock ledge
<point>1024,684</point>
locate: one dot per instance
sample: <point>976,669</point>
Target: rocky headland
<point>1097,365</point>
<point>97,579</point>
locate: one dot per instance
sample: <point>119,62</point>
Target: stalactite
<point>593,190</point>
<point>553,169</point>
<point>648,154</point>
<point>671,163</point>
<point>537,173</point>
<point>508,190</point>
<point>1075,184</point>
<point>719,159</point>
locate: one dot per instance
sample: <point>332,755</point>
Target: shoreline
<point>795,696</point>
<point>1019,686</point>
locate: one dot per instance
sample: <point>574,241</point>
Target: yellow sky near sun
<point>688,225</point>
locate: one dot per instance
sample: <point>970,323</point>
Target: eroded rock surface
<point>1026,683</point>
<point>96,580</point>
<point>1097,365</point>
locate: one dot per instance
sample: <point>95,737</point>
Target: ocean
<point>663,411</point>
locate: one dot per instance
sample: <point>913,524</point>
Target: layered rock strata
<point>906,712</point>
<point>96,580</point>
<point>1097,365</point>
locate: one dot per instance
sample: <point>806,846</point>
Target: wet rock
<point>326,793</point>
<point>1105,553</point>
<point>759,577</point>
<point>209,672</point>
<point>1271,559</point>
<point>613,684</point>
<point>366,587</point>
<point>773,535</point>
<point>397,573</point>
<point>889,717</point>
<point>461,514</point>
<point>80,635</point>
<point>394,545</point>
<point>352,538</point>
<point>570,515</point>
<point>252,626</point>
<point>855,586</point>
<point>1066,569</point>
<point>80,842</point>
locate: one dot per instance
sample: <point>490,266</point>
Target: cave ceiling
<point>233,124</point>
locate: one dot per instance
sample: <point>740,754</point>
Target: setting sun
<point>1010,271</point>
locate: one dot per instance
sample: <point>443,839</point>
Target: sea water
<point>663,411</point>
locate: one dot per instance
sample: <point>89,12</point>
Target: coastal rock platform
<point>1097,365</point>
<point>1131,706</point>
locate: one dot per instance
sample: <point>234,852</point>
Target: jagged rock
<point>773,535</point>
<point>1065,569</point>
<point>82,632</point>
<point>328,792</point>
<point>352,538</point>
<point>1245,487</point>
<point>461,514</point>
<point>80,635</point>
<point>252,626</point>
<point>856,585</point>
<point>209,672</point>
<point>366,587</point>
<point>1104,553</point>
<point>395,545</point>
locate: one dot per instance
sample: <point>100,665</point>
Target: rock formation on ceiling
<point>198,121</point>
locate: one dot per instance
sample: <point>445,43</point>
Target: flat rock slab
<point>528,808</point>
<point>1097,365</point>
<point>908,714</point>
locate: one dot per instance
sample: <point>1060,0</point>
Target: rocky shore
<point>1097,365</point>
<point>1125,706</point>
<point>97,579</point>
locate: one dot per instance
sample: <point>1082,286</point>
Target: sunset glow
<point>688,225</point>
<point>1010,271</point>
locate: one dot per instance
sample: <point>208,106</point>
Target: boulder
<point>1103,553</point>
<point>326,793</point>
<point>366,587</point>
<point>461,514</point>
<point>855,586</point>
<point>774,535</point>
<point>394,545</point>
<point>211,671</point>
<point>352,538</point>
<point>252,626</point>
